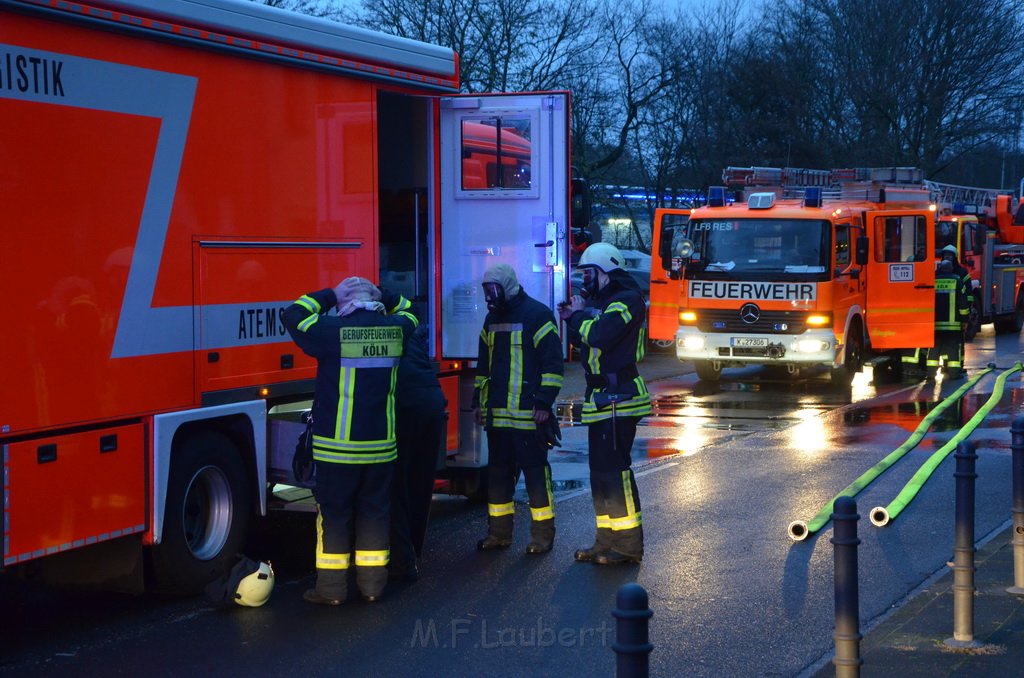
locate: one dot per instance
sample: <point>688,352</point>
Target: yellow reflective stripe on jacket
<point>478,381</point>
<point>497,510</point>
<point>550,379</point>
<point>328,561</point>
<point>515,368</point>
<point>358,458</point>
<point>331,445</point>
<point>545,329</point>
<point>594,360</point>
<point>372,558</point>
<point>346,389</point>
<point>621,309</point>
<point>402,305</point>
<point>309,303</point>
<point>307,322</point>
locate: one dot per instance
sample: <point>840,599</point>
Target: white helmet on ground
<point>248,583</point>
<point>254,589</point>
<point>602,255</point>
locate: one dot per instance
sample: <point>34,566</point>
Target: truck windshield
<point>760,249</point>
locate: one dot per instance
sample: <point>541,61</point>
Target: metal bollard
<point>963,550</point>
<point>631,642</point>
<point>847,632</point>
<point>1017,445</point>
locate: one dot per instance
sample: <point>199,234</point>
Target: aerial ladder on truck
<point>987,228</point>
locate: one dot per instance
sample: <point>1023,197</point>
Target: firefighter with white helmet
<point>608,327</point>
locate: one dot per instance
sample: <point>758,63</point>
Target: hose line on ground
<point>881,516</point>
<point>800,530</point>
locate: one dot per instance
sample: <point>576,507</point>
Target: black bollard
<point>963,550</point>
<point>1017,445</point>
<point>631,644</point>
<point>847,632</point>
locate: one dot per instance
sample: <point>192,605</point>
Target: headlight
<point>693,343</point>
<point>811,345</point>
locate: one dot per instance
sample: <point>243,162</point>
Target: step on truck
<point>174,173</point>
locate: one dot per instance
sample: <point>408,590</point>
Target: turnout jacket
<point>357,362</point>
<point>519,363</point>
<point>952,301</point>
<point>610,333</point>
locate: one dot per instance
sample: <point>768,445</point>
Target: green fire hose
<point>884,515</point>
<point>800,530</point>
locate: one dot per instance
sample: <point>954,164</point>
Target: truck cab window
<point>900,238</point>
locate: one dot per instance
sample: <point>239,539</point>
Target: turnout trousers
<point>613,487</point>
<point>420,429</point>
<point>948,351</point>
<point>510,451</point>
<point>353,502</point>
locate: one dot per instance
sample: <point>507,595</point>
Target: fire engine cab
<point>174,173</point>
<point>798,268</point>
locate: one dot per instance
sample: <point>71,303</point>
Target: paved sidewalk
<point>910,641</point>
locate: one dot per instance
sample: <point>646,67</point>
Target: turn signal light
<point>687,317</point>
<point>819,320</point>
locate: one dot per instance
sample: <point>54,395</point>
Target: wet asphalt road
<point>721,471</point>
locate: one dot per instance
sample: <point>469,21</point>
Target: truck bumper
<point>813,347</point>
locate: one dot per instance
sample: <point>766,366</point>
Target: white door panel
<point>504,199</point>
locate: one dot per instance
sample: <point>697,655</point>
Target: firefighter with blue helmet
<point>608,327</point>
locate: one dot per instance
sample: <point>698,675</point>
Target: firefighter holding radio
<point>608,327</point>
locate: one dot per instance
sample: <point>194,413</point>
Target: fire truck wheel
<point>707,370</point>
<point>853,358</point>
<point>206,514</point>
<point>663,344</point>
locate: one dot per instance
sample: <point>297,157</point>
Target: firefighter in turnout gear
<point>357,353</point>
<point>519,375</point>
<point>608,327</point>
<point>952,306</point>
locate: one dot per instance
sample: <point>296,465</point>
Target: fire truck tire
<point>663,344</point>
<point>707,371</point>
<point>853,358</point>
<point>1012,322</point>
<point>206,515</point>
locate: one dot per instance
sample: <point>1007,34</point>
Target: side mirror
<point>861,254</point>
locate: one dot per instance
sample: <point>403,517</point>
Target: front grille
<point>770,322</point>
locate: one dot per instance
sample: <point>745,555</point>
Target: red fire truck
<point>173,173</point>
